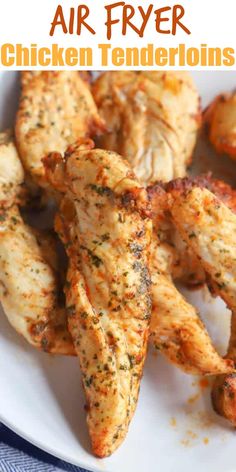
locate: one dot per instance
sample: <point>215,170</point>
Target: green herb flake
<point>101,190</point>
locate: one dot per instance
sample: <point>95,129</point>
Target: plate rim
<point>51,451</point>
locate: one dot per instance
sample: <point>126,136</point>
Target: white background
<point>27,21</point>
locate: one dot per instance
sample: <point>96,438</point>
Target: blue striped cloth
<point>17,455</point>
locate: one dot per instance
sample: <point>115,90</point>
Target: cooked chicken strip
<point>183,264</point>
<point>105,227</point>
<point>221,119</point>
<point>28,287</point>
<point>28,283</point>
<point>153,119</point>
<point>176,329</point>
<point>56,108</point>
<point>210,227</point>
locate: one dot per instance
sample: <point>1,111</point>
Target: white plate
<point>174,428</point>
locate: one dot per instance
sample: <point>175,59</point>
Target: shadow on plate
<point>205,159</point>
<point>9,102</point>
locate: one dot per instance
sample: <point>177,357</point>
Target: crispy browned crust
<point>224,397</point>
<point>221,189</point>
<point>158,192</point>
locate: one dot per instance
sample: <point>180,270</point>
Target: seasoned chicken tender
<point>56,109</point>
<point>221,119</point>
<point>178,257</point>
<point>152,118</point>
<point>28,287</point>
<point>176,329</point>
<point>210,228</point>
<point>104,223</point>
<point>28,280</point>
